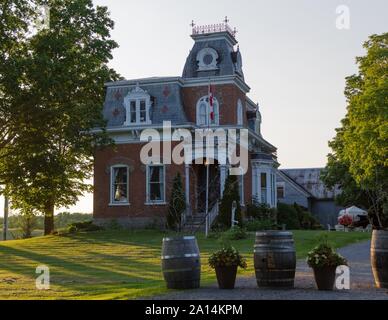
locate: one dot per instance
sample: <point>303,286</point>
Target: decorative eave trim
<point>217,80</point>
<point>145,81</point>
<point>262,140</point>
<point>223,35</point>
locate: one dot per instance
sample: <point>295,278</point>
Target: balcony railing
<point>213,28</point>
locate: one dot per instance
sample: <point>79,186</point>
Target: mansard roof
<point>165,96</point>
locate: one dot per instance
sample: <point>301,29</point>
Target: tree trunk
<point>49,219</point>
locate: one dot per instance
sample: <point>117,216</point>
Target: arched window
<point>240,118</point>
<point>203,112</point>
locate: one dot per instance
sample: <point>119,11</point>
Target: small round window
<point>207,59</point>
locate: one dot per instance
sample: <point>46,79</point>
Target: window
<point>155,184</point>
<point>263,180</point>
<point>119,185</point>
<point>280,190</point>
<point>203,112</point>
<point>137,105</point>
<point>133,112</point>
<point>239,113</point>
<point>207,59</point>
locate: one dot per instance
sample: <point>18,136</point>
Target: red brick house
<point>137,194</point>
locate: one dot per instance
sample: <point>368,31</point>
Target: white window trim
<point>148,200</point>
<point>216,107</point>
<point>281,184</point>
<point>137,95</point>
<point>111,183</point>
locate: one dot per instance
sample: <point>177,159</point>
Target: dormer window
<point>137,105</point>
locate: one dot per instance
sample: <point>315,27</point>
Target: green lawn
<point>113,264</point>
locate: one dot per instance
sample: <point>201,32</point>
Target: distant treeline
<point>61,220</point>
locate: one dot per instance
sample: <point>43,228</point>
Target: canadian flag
<point>211,102</point>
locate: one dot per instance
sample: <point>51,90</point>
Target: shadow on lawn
<point>79,275</point>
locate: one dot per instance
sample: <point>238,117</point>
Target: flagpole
<point>207,170</point>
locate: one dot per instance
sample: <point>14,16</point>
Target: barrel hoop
<point>184,238</point>
<point>379,250</point>
<point>187,255</point>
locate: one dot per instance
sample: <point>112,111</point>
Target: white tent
<point>354,212</point>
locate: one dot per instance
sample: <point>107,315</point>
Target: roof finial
<point>192,24</point>
<point>234,32</point>
<point>226,19</point>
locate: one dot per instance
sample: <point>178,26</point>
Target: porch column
<point>187,187</point>
<point>223,169</point>
<point>269,188</point>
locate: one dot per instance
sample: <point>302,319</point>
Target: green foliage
<point>358,162</point>
<point>324,255</point>
<point>231,193</point>
<point>26,222</point>
<point>225,257</point>
<point>57,99</point>
<point>261,211</point>
<point>177,204</point>
<point>258,225</point>
<point>306,218</point>
<point>234,233</point>
<point>86,226</point>
<point>288,215</point>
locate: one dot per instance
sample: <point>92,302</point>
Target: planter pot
<point>379,257</point>
<point>226,277</point>
<point>325,277</point>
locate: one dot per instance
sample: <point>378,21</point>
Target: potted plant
<point>225,262</point>
<point>324,261</point>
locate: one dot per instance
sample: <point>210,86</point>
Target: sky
<point>295,59</point>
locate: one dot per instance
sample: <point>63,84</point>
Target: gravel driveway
<point>361,284</point>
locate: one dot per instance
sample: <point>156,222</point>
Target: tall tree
<point>52,154</point>
<point>360,155</point>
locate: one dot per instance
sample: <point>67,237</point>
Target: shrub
<point>261,211</point>
<point>177,205</point>
<point>231,193</point>
<point>288,215</point>
<point>235,233</point>
<point>257,225</point>
<point>226,257</point>
<point>87,226</point>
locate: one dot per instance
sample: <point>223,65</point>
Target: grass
<point>114,264</point>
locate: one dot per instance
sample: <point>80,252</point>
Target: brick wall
<point>227,96</point>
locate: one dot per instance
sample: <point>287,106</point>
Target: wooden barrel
<point>274,259</point>
<point>379,257</point>
<point>181,264</point>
